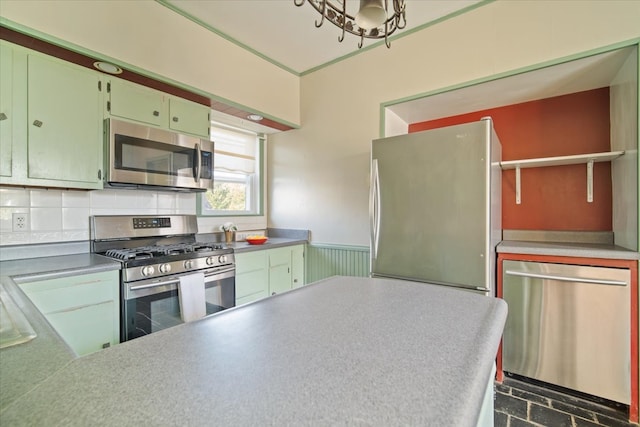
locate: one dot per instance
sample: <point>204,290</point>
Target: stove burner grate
<point>147,252</point>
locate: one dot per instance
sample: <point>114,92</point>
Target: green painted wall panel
<point>330,260</point>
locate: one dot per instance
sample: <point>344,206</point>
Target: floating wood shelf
<point>588,159</point>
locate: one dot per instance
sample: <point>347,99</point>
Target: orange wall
<point>553,198</point>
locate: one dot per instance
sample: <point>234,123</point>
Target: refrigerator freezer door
<point>431,202</point>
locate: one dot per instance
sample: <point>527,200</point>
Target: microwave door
<point>154,157</point>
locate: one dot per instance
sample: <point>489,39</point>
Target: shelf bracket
<point>518,200</point>
<point>590,181</point>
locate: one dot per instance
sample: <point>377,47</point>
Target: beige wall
<point>319,174</point>
<point>170,46</point>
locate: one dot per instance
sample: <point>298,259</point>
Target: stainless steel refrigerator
<point>435,206</point>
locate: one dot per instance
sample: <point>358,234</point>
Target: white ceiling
<point>287,35</point>
<point>570,77</point>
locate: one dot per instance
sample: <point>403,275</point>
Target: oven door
<point>142,155</point>
<point>150,306</point>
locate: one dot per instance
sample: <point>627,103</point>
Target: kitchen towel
<point>191,295</point>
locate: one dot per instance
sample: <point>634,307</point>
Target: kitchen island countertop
<point>344,350</point>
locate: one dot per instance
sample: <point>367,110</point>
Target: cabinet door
<point>297,266</point>
<point>135,102</point>
<point>6,111</point>
<point>86,329</point>
<point>83,309</point>
<point>252,278</point>
<point>279,270</point>
<point>64,122</point>
<point>189,117</point>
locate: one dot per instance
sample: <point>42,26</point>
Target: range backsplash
<point>56,215</point>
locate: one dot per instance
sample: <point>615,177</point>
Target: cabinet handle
<point>273,293</point>
<point>175,119</point>
<point>565,278</point>
<point>3,116</point>
<point>156,113</point>
<point>37,123</point>
<point>295,280</point>
<point>99,174</point>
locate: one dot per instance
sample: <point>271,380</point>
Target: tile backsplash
<point>63,215</point>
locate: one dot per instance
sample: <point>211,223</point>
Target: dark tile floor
<point>521,403</point>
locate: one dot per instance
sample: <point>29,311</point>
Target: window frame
<point>258,189</point>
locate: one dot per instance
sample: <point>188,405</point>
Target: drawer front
<point>251,298</point>
<point>76,291</point>
<point>251,261</point>
<point>279,256</point>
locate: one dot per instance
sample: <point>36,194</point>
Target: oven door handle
<point>153,285</point>
<point>172,281</point>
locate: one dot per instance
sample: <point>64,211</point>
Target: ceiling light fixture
<point>107,67</point>
<point>373,20</point>
<point>255,117</point>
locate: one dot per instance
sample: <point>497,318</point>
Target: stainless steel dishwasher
<point>569,325</point>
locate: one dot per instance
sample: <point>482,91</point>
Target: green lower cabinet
<point>297,266</point>
<point>268,272</point>
<point>252,276</point>
<point>83,309</point>
<point>87,328</point>
<point>279,270</point>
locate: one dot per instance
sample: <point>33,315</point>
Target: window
<point>237,174</point>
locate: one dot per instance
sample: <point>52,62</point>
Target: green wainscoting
<point>326,260</point>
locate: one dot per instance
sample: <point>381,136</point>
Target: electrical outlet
<point>20,221</point>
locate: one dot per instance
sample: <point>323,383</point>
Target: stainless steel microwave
<point>142,156</point>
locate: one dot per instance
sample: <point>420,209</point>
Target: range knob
<point>164,268</point>
<point>210,260</point>
<point>222,259</point>
<point>148,270</point>
<point>188,264</point>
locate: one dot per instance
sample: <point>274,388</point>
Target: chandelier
<point>373,20</point>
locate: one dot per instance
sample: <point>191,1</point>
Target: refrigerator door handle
<point>374,208</point>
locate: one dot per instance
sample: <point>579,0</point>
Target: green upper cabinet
<point>131,101</point>
<point>64,123</point>
<point>6,108</point>
<point>189,117</point>
<point>139,103</point>
<point>50,121</point>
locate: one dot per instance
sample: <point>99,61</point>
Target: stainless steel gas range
<point>158,253</point>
